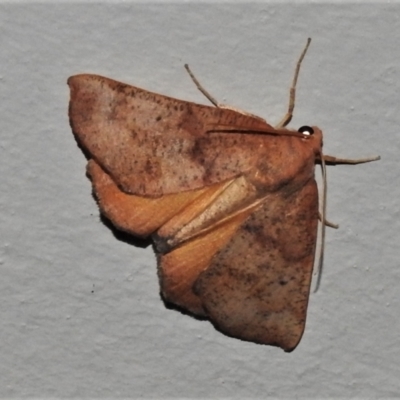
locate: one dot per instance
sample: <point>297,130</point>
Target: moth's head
<point>312,135</point>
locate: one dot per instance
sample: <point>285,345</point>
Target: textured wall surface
<point>80,309</point>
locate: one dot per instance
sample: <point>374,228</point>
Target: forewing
<point>257,287</point>
<point>152,145</point>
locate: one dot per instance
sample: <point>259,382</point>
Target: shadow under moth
<point>230,202</point>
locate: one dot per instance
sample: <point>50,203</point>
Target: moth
<point>230,201</point>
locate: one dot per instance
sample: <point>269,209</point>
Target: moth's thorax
<point>286,160</point>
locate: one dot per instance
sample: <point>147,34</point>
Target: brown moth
<point>230,201</point>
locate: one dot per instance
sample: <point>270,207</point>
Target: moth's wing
<point>257,287</point>
<point>153,145</point>
<point>139,216</point>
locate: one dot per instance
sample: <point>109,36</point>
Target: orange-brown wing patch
<point>256,288</point>
<point>139,138</point>
<point>139,216</point>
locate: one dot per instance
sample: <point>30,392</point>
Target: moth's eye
<point>306,130</point>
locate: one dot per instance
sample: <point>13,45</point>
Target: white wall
<point>80,312</point>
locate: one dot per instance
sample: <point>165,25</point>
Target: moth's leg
<point>328,223</point>
<point>211,98</point>
<point>335,160</point>
<point>292,94</point>
<point>202,90</point>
